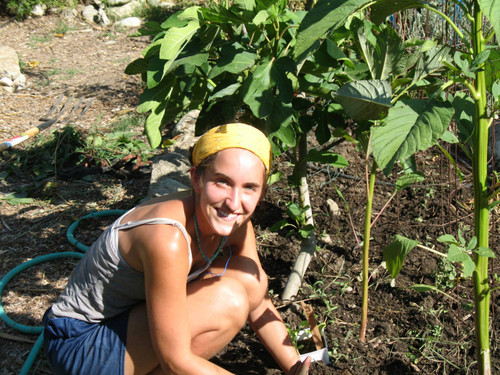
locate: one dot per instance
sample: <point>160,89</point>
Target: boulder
<point>129,22</point>
<point>161,4</point>
<point>113,3</point>
<point>38,10</point>
<point>124,11</point>
<point>10,73</point>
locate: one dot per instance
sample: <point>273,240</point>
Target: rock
<point>170,173</point>
<point>161,3</point>
<point>10,72</point>
<point>333,207</point>
<point>69,14</point>
<point>102,18</point>
<point>113,3</point>
<point>90,13</point>
<point>124,11</point>
<point>38,10</point>
<point>93,15</point>
<point>129,22</point>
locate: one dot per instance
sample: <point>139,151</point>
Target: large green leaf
<point>409,127</point>
<point>257,90</point>
<point>395,253</point>
<point>153,97</point>
<point>491,9</point>
<point>384,8</point>
<point>327,157</point>
<point>365,100</point>
<point>234,59</point>
<point>464,117</point>
<point>229,90</point>
<point>385,56</point>
<point>325,17</point>
<point>431,61</point>
<point>268,80</point>
<point>153,124</point>
<point>176,38</point>
<point>137,66</point>
<point>280,117</point>
<point>492,68</point>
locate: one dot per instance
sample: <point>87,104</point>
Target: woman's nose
<point>233,201</point>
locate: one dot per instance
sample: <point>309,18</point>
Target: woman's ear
<point>195,180</point>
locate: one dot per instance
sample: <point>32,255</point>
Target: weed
<point>21,9</point>
<point>446,275</point>
<point>62,28</point>
<point>39,38</point>
<point>51,152</point>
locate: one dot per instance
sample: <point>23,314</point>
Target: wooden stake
<point>313,326</point>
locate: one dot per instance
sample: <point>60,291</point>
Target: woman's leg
<point>217,309</point>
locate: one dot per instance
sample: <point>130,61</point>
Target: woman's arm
<point>264,317</point>
<point>165,264</point>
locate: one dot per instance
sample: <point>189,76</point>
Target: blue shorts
<point>73,346</point>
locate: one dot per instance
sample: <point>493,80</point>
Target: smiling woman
<point>173,280</point>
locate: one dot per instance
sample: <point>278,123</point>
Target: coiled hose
<point>38,330</point>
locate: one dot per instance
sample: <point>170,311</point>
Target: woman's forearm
<point>270,328</point>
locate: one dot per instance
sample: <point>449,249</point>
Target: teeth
<point>226,214</point>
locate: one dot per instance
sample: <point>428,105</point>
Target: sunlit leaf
<point>396,252</point>
<point>326,157</point>
<point>409,127</point>
<point>491,9</point>
<point>325,17</point>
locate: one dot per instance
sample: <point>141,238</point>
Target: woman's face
<point>229,190</point>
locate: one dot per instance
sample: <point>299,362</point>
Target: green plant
<point>473,67</point>
<point>23,8</point>
<point>62,28</point>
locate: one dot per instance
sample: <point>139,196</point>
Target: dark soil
<point>408,331</point>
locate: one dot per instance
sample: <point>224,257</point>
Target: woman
<point>172,281</point>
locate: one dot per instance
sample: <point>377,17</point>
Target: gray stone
<point>38,10</point>
<point>129,22</point>
<point>113,3</point>
<point>10,72</point>
<point>124,11</point>
<point>170,173</point>
<point>90,13</point>
<point>333,207</point>
<point>102,18</point>
<point>161,3</point>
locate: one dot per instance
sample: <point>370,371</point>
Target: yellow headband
<point>233,136</point>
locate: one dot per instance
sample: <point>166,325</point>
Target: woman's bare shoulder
<point>176,206</point>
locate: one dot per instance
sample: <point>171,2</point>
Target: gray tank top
<point>103,284</point>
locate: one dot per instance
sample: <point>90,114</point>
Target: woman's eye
<point>221,182</point>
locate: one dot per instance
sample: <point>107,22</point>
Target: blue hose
<point>41,259</point>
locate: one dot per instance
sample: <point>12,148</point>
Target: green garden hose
<point>35,261</point>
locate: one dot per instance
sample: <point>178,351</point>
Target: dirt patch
<point>408,332</point>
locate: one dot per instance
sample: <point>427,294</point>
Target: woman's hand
<point>301,368</point>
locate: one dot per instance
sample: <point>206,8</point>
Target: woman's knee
<point>252,277</point>
<point>232,300</point>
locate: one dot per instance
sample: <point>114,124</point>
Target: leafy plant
<point>403,115</point>
<point>23,8</point>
